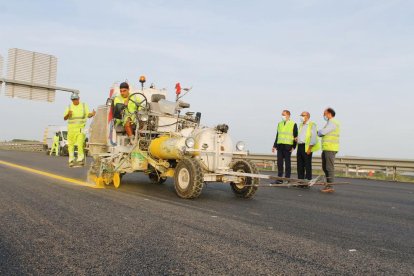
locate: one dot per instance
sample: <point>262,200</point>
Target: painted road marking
<point>50,175</point>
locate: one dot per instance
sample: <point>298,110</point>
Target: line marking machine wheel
<point>246,188</point>
<point>116,180</point>
<point>188,178</point>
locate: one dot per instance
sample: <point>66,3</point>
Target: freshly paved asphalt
<point>51,227</point>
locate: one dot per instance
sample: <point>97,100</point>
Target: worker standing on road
<point>128,106</point>
<point>307,144</point>
<point>77,114</point>
<point>330,147</point>
<point>55,145</point>
<point>284,144</point>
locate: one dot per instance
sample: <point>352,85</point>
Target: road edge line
<point>50,175</point>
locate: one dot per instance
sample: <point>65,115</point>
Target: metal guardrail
<point>23,146</point>
<point>343,164</point>
<point>346,165</point>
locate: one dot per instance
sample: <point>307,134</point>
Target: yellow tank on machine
<point>167,147</point>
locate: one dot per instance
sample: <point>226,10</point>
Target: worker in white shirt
<point>307,144</point>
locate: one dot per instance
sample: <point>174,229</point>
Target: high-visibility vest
<point>285,133</point>
<point>56,139</point>
<point>330,142</point>
<point>308,137</point>
<point>79,116</point>
<point>132,107</point>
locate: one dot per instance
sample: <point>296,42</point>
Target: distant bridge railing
<point>23,146</point>
<point>358,166</point>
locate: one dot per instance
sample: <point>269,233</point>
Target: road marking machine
<point>171,143</point>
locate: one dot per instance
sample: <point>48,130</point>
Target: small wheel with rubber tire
<point>116,180</point>
<point>188,178</point>
<point>246,188</point>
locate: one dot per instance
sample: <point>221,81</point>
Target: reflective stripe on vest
<point>308,137</point>
<point>330,142</point>
<point>285,133</point>
<point>78,120</point>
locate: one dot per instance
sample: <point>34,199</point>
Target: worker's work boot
<point>328,189</point>
<point>71,163</point>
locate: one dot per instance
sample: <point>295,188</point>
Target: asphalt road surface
<point>48,226</point>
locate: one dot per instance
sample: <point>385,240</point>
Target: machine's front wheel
<point>188,178</point>
<point>116,180</point>
<point>246,188</point>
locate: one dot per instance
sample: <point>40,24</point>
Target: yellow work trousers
<point>55,148</point>
<point>76,137</point>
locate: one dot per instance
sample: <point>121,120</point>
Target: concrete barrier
<point>23,146</point>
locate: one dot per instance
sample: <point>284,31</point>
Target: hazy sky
<point>246,61</point>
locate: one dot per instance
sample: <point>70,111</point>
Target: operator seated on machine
<point>125,109</point>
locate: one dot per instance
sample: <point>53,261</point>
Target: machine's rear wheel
<point>156,178</point>
<point>240,189</point>
<point>188,178</point>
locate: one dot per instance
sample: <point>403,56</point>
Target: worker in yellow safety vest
<point>308,143</point>
<point>330,146</point>
<point>77,114</point>
<point>284,144</point>
<point>55,145</point>
<point>128,106</point>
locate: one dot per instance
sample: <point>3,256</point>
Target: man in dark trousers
<point>285,143</point>
<point>307,144</point>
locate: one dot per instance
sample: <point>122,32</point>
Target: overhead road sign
<point>32,76</point>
